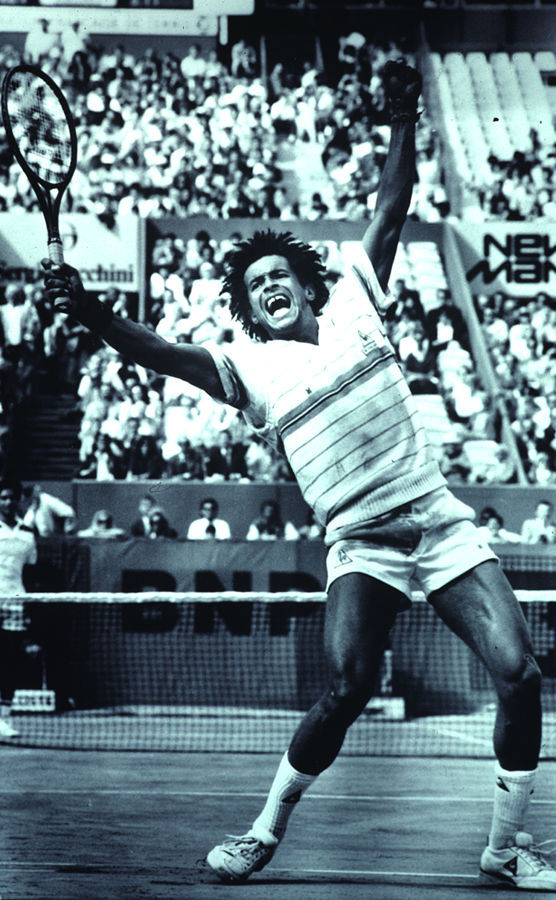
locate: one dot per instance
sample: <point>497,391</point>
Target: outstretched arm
<point>189,362</point>
<point>403,86</point>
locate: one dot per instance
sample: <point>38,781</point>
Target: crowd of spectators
<point>45,515</point>
<point>163,135</point>
<point>434,352</point>
<point>159,134</point>
<point>521,189</point>
<point>136,425</point>
<point>521,337</point>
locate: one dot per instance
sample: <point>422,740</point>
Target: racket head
<point>39,127</point>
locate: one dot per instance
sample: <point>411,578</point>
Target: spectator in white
<point>102,526</point>
<point>72,42</point>
<point>502,469</point>
<point>491,528</point>
<point>16,316</point>
<point>269,525</point>
<point>495,327</point>
<point>193,65</point>
<point>259,460</point>
<point>39,42</point>
<point>540,471</point>
<point>540,529</point>
<point>17,549</point>
<point>208,526</point>
<point>47,514</point>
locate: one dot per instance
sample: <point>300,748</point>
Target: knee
<point>347,693</point>
<point>522,681</point>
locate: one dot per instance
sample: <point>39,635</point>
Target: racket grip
<point>56,252</point>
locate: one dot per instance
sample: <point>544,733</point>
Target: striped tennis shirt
<point>341,409</point>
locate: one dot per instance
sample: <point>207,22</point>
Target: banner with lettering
<point>516,257</point>
<point>106,257</point>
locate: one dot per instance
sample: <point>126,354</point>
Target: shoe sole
<point>232,877</point>
<point>488,880</point>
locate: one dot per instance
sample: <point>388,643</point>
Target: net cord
<point>527,596</point>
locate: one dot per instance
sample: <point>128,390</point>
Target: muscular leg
<point>359,614</point>
<point>482,609</point>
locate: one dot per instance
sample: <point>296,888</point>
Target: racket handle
<point>56,252</point>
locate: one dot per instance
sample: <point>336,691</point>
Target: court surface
<point>102,825</point>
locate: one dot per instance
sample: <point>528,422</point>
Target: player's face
<point>279,302</point>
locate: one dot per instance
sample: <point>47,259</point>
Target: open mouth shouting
<point>277,305</point>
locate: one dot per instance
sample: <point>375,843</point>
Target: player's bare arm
<point>186,361</point>
<point>403,87</point>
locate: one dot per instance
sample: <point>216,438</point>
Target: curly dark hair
<point>304,261</point>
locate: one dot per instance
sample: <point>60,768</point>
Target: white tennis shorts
<point>422,545</point>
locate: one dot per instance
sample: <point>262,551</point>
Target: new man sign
<point>518,258</point>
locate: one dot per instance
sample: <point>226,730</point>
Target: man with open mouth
<point>321,380</point>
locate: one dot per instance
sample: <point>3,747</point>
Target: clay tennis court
<point>90,824</point>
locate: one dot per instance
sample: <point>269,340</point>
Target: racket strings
<point>40,127</point>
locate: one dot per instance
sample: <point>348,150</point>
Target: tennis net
<point>235,672</point>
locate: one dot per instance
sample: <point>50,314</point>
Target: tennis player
<point>321,378</point>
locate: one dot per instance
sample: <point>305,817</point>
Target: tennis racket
<point>41,133</point>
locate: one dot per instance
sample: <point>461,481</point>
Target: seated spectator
<point>227,459</point>
<point>454,463</point>
<point>269,525</point>
<point>540,471</point>
<point>141,526</point>
<point>47,514</point>
<point>491,528</point>
<point>540,529</point>
<point>208,526</point>
<point>184,460</point>
<point>160,526</point>
<point>312,530</point>
<point>102,461</point>
<point>102,526</point>
<point>260,460</point>
<point>415,351</point>
<point>447,314</point>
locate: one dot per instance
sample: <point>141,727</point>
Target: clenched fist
<point>403,85</point>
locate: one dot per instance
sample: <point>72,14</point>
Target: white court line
<point>110,868</point>
<point>377,874</point>
<point>367,798</point>
<point>447,732</point>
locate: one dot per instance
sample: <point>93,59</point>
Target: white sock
<point>512,794</point>
<point>285,792</point>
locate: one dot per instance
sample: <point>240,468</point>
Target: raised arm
<point>403,86</point>
<point>189,362</point>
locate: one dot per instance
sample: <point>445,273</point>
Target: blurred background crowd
<point>206,134</point>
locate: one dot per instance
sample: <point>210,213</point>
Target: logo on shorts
<point>367,342</point>
<point>343,557</point>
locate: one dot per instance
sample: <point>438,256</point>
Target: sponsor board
<point>519,258</point>
<point>105,257</point>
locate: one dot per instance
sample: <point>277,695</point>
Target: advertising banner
<point>518,258</point>
<point>103,17</point>
<point>106,257</point>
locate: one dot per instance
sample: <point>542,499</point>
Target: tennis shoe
<point>523,865</point>
<point>7,731</point>
<point>237,857</point>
